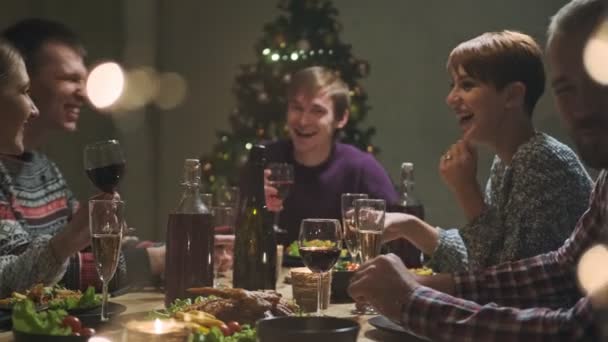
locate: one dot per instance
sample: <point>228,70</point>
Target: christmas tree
<point>306,34</point>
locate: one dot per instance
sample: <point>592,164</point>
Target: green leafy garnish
<point>177,306</point>
<point>247,334</point>
<point>27,320</point>
<point>88,300</point>
<point>293,249</point>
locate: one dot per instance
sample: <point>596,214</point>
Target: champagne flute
<point>281,178</point>
<point>369,219</point>
<point>105,164</point>
<point>351,236</point>
<point>320,243</point>
<point>106,222</point>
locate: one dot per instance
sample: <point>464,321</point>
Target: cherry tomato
<point>225,330</point>
<point>73,323</point>
<point>88,332</point>
<point>234,326</point>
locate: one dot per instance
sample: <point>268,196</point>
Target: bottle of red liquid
<point>409,204</point>
<point>190,239</point>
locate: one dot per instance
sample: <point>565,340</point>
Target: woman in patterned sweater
<point>537,188</point>
<point>23,260</point>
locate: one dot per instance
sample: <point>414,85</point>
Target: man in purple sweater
<point>324,169</point>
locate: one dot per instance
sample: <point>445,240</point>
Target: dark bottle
<point>409,204</point>
<point>255,246</point>
<point>190,239</point>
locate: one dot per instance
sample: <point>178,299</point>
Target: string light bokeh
<point>595,55</point>
<point>113,89</point>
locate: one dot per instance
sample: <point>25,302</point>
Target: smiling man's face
<point>582,102</point>
<point>312,122</point>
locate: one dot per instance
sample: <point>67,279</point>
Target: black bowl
<point>339,285</point>
<point>306,329</point>
<point>25,337</point>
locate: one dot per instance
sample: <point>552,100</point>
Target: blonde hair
<point>9,59</point>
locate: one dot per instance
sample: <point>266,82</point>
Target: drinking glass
<point>228,196</point>
<point>104,163</point>
<point>224,219</point>
<point>106,222</point>
<point>351,236</point>
<point>281,178</point>
<point>369,219</point>
<point>320,243</point>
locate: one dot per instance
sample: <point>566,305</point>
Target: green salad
<point>89,299</point>
<point>48,322</point>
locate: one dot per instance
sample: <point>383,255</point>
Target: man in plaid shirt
<point>532,299</point>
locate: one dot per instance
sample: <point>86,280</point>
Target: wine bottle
<point>255,247</point>
<point>409,204</point>
<point>190,240</point>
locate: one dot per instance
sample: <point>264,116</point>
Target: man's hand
<point>385,283</point>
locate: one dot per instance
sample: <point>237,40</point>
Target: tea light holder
<point>157,330</point>
<point>304,286</point>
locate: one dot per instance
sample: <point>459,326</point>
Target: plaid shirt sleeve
<point>545,285</point>
<point>441,317</point>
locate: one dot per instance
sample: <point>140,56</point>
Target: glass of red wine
<point>106,222</point>
<point>320,244</point>
<point>104,163</point>
<point>281,178</point>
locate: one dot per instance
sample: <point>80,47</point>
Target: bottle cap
<point>192,171</point>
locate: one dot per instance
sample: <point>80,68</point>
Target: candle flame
<point>158,326</point>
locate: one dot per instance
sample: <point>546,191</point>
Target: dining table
<point>139,303</point>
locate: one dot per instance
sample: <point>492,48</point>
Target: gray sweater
<point>532,206</point>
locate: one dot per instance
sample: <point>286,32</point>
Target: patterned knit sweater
<point>35,203</point>
<point>532,206</point>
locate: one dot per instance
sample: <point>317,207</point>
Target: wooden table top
<point>139,303</point>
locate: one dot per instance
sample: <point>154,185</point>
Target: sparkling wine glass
<point>281,178</point>
<point>105,164</point>
<point>351,237</point>
<point>106,222</point>
<point>369,220</point>
<point>320,243</point>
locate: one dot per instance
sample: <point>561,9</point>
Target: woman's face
<point>312,122</point>
<point>478,106</point>
<point>16,107</point>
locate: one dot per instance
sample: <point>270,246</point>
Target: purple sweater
<point>317,190</point>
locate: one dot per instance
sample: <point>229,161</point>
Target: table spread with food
<point>212,314</point>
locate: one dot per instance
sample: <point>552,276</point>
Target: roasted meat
<point>241,305</point>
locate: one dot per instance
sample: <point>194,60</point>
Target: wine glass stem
<point>319,279</point>
<point>104,301</point>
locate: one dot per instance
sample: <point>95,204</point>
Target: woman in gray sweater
<point>537,188</point>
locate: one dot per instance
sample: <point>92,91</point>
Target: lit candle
<point>157,330</point>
